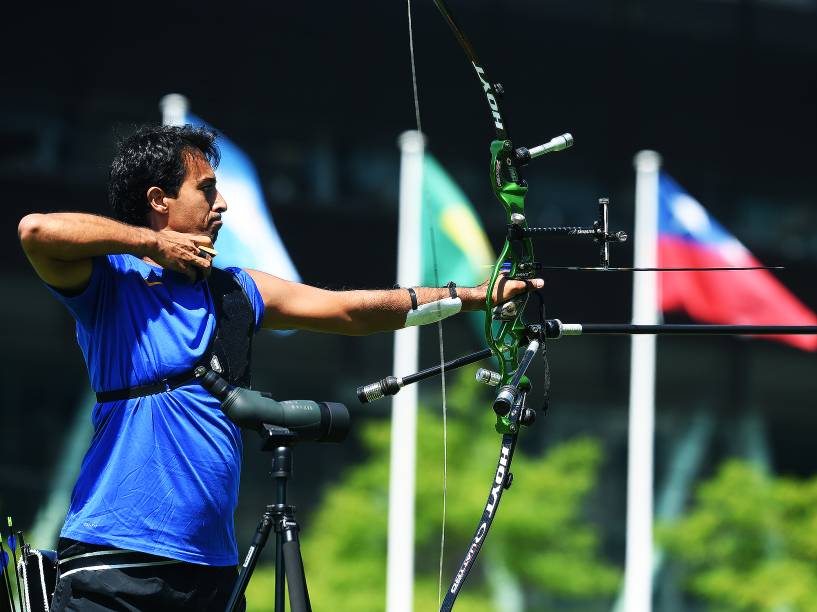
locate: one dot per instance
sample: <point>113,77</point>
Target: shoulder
<point>87,301</point>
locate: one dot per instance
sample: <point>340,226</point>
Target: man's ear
<point>156,199</point>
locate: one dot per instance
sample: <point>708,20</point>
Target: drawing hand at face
<point>183,253</point>
<point>187,221</point>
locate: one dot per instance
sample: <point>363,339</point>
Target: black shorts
<point>97,578</point>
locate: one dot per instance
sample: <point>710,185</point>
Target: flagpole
<point>400,563</point>
<point>638,567</point>
<point>174,109</point>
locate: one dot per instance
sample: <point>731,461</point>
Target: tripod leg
<point>294,566</point>
<point>280,574</point>
<point>257,545</point>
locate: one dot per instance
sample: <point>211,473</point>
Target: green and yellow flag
<point>454,245</point>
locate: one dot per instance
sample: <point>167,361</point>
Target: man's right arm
<point>60,246</point>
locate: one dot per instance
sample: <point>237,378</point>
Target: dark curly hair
<point>154,155</point>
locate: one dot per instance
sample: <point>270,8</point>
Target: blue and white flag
<point>248,238</point>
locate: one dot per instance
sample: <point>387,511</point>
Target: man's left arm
<point>291,305</point>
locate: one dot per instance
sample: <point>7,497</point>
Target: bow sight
<point>599,232</point>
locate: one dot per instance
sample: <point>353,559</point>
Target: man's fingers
<point>201,262</point>
<point>202,241</point>
<point>504,291</point>
<point>506,288</point>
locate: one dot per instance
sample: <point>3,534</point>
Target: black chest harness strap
<point>230,348</point>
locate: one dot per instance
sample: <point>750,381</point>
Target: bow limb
<point>502,480</point>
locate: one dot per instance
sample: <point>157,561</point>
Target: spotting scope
<point>309,421</point>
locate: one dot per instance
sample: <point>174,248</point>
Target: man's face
<point>198,207</point>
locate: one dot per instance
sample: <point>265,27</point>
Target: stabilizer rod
<point>524,155</point>
<point>555,329</point>
<point>392,384</point>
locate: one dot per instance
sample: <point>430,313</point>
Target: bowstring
<point>439,323</point>
<point>445,420</point>
<point>413,70</point>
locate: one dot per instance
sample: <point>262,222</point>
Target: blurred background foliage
<point>749,542</point>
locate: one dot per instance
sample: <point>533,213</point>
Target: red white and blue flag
<point>689,237</point>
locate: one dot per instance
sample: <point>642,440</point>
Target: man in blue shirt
<point>150,526</point>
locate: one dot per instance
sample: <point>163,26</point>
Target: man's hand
<point>504,290</point>
<point>183,253</point>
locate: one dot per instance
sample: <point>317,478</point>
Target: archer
<point>150,524</point>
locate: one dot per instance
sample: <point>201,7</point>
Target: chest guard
<point>230,348</point>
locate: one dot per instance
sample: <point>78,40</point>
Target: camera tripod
<point>289,567</point>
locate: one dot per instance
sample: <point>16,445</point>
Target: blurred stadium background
<point>317,93</point>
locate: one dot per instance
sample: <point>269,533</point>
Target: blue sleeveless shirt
<point>161,475</point>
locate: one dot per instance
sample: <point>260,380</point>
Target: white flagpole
<point>400,564</point>
<point>638,567</point>
<point>174,109</point>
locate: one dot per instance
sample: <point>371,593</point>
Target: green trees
<point>750,543</point>
<point>540,544</point>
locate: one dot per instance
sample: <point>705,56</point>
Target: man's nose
<point>220,205</point>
